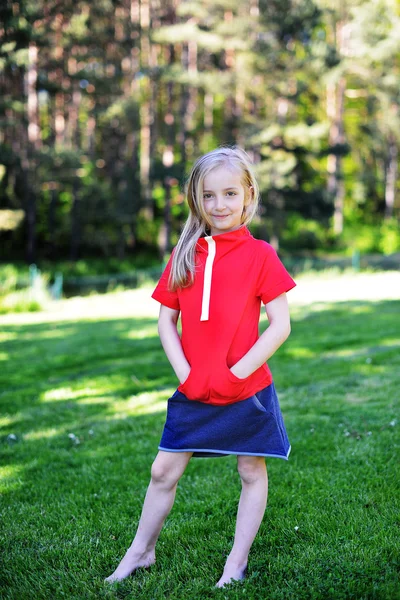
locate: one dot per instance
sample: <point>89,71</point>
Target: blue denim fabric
<point>253,426</point>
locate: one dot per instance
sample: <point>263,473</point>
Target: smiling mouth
<point>220,216</point>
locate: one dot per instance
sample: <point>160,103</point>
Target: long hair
<point>183,261</point>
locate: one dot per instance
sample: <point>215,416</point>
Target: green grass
<point>83,406</point>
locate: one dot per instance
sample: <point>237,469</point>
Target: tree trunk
<point>208,111</point>
<point>164,238</point>
<point>73,133</point>
<point>57,76</point>
<point>75,222</point>
<point>183,109</point>
<point>145,111</point>
<point>154,125</point>
<point>33,114</point>
<point>164,235</point>
<point>335,111</point>
<point>33,142</point>
<point>133,139</point>
<point>391,177</point>
<point>52,219</point>
<point>90,145</point>
<point>30,209</point>
<point>121,215</point>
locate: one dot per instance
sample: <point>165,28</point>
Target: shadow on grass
<point>56,375</point>
<point>86,403</point>
<point>71,390</point>
<point>61,381</point>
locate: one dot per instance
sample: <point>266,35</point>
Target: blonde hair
<point>183,261</point>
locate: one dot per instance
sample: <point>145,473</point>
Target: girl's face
<point>223,200</point>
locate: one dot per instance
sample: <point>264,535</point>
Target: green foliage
<point>17,294</point>
<point>361,237</point>
<point>127,100</point>
<point>9,277</point>
<point>389,236</point>
<point>305,234</point>
<point>369,238</point>
<point>19,302</point>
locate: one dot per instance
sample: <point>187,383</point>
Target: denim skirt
<point>251,427</point>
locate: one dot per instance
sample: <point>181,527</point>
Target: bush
<point>383,238</point>
<point>8,279</point>
<point>29,299</point>
<point>389,240</point>
<point>305,234</point>
<point>20,301</point>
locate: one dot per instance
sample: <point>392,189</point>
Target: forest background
<point>105,105</point>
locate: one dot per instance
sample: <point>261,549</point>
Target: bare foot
<point>231,574</point>
<point>131,561</point>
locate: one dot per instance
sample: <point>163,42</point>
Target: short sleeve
<point>161,292</point>
<point>273,279</point>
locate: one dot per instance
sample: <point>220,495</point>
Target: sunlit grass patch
<point>10,478</point>
<point>42,434</point>
<point>369,352</point>
<point>82,414</point>
<point>67,393</point>
<point>301,352</point>
<point>142,333</point>
<point>141,404</point>
<point>6,421</point>
<point>7,336</point>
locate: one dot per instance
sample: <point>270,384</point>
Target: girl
<point>226,401</point>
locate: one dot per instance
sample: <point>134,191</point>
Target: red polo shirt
<point>220,312</point>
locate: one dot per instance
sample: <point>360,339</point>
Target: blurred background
<point>105,105</point>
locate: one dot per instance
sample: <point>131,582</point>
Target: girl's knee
<point>162,475</point>
<point>167,470</point>
<point>251,468</point>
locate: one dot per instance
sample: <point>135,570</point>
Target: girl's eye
<point>206,196</point>
<point>231,193</point>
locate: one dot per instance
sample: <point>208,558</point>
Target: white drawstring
<point>205,305</point>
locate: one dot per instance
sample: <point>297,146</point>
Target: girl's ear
<point>250,195</point>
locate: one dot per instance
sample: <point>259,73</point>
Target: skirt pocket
<point>258,404</point>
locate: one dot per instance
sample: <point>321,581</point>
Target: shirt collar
<point>226,238</point>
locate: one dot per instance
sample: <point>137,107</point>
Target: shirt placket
<point>205,304</point>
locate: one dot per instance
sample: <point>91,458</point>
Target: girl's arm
<point>171,342</point>
<point>278,331</point>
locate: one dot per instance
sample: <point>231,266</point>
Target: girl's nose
<point>219,202</point>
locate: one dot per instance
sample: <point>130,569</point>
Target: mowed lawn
<point>82,409</point>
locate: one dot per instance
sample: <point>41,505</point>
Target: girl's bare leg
<point>253,500</point>
<point>166,471</point>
